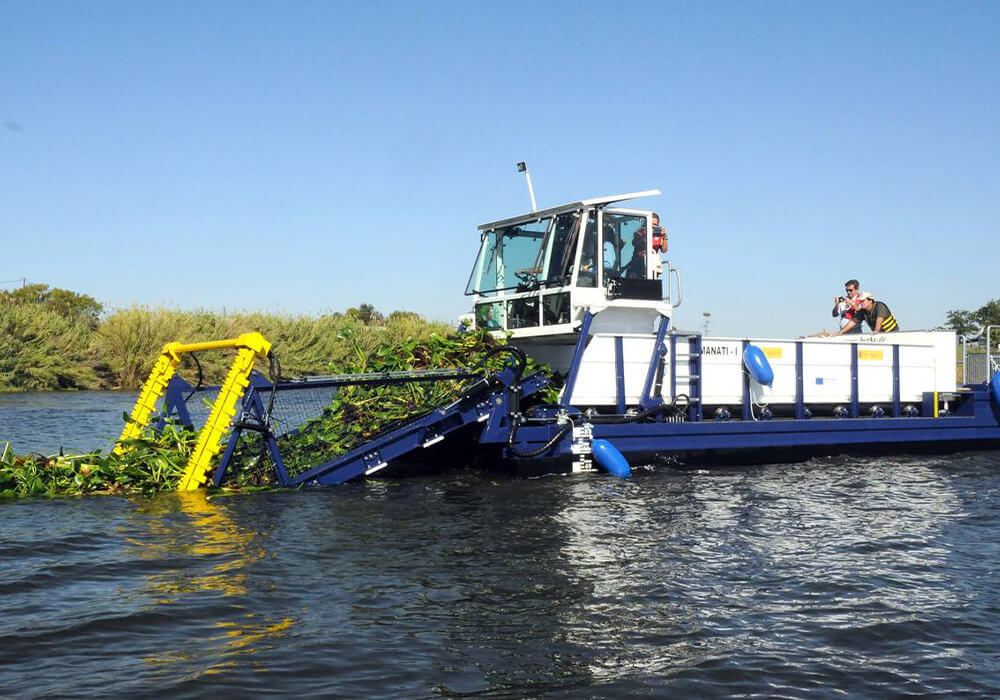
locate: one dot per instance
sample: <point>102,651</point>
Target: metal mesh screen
<point>199,404</point>
<point>294,406</point>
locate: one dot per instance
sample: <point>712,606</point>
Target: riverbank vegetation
<point>52,339</point>
<point>156,460</point>
<point>55,339</point>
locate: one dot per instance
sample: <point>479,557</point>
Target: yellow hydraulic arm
<point>250,346</point>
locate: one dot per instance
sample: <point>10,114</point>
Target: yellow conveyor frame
<point>250,346</point>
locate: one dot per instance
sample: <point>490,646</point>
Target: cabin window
<point>490,316</point>
<point>527,256</point>
<point>624,246</point>
<point>507,258</point>
<point>556,256</point>
<point>588,255</point>
<point>555,309</point>
<point>522,313</point>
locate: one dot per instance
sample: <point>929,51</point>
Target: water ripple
<point>837,576</point>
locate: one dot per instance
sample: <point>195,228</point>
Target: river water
<point>79,421</point>
<point>864,577</point>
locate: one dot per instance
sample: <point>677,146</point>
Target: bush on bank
<point>52,339</point>
<point>129,341</point>
<point>41,350</point>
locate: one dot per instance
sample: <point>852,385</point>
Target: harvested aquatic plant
<point>156,460</point>
<point>358,413</point>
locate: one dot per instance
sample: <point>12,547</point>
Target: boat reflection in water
<point>728,564</point>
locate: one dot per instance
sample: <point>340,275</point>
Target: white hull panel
<point>926,363</point>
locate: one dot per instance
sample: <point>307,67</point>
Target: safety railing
<point>670,275</point>
<point>978,368</point>
<point>994,361</point>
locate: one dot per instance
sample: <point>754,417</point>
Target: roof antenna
<point>523,168</point>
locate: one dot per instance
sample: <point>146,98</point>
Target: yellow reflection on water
<point>222,551</point>
<point>234,640</point>
<point>244,637</point>
<point>210,533</point>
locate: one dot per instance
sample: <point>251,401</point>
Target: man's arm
<point>847,327</point>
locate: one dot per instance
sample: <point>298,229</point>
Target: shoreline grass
<point>46,348</point>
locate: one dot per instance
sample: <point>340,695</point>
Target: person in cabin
<point>659,234</point>
<point>846,306</point>
<point>875,313</point>
<point>637,266</point>
<point>659,244</point>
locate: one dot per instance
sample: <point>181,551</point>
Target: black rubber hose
<point>522,360</point>
<point>263,425</point>
<point>662,408</point>
<point>489,379</point>
<point>274,369</point>
<point>606,420</point>
<point>534,453</point>
<point>201,377</point>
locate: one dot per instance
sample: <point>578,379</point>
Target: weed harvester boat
<point>577,287</point>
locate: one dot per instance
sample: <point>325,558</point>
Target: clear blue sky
<point>305,157</point>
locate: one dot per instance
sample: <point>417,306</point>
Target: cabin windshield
<point>527,255</point>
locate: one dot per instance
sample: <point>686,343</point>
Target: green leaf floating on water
<point>156,460</point>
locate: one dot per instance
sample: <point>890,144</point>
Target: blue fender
<point>996,388</point>
<point>757,365</point>
<point>613,461</point>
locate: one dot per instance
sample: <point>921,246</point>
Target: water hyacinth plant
<point>156,460</point>
<point>358,413</point>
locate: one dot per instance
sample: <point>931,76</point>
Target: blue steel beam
<point>747,414</point>
<point>800,404</point>
<point>896,410</point>
<point>174,403</point>
<point>253,413</point>
<point>673,367</point>
<point>419,433</point>
<point>855,403</point>
<point>655,362</point>
<point>574,368</point>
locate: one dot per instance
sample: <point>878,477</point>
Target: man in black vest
<point>875,313</point>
